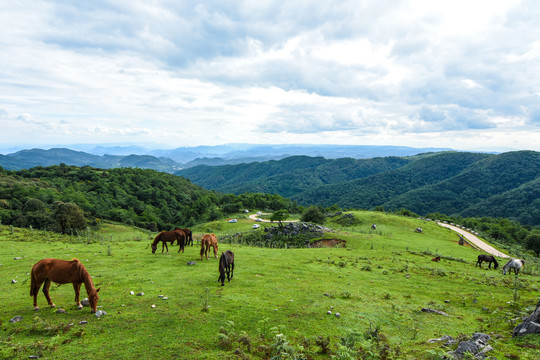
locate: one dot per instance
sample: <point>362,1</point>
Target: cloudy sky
<point>459,74</point>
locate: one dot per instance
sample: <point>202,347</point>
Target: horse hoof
<point>79,307</point>
<point>52,305</point>
<point>36,308</point>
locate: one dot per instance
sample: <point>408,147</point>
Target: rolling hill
<point>459,183</point>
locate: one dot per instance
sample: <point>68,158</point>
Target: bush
<point>313,214</point>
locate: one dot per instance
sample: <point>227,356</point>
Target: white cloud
<point>401,73</point>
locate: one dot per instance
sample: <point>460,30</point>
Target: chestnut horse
<point>189,235</point>
<point>169,237</point>
<point>62,272</point>
<point>226,265</point>
<point>207,241</point>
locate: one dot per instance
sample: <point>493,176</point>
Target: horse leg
<point>36,292</point>
<point>46,286</point>
<point>215,251</point>
<point>77,288</point>
<point>228,273</point>
<point>489,265</point>
<point>232,270</point>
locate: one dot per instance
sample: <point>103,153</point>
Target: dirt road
<point>476,241</point>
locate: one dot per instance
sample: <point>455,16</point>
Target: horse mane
<point>156,239</point>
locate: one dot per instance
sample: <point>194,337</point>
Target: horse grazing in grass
<point>515,264</point>
<point>189,235</point>
<point>169,237</point>
<point>489,259</point>
<point>62,272</point>
<point>226,265</point>
<point>207,241</point>
<point>418,230</point>
<point>373,227</point>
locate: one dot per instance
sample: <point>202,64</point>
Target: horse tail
<point>33,289</point>
<point>495,262</point>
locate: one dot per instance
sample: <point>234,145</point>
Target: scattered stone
<point>338,314</point>
<point>160,296</point>
<point>153,306</point>
<point>83,322</point>
<point>33,357</point>
<point>444,338</point>
<point>61,311</point>
<point>326,294</point>
<point>100,313</point>
<point>16,319</point>
<point>329,312</point>
<point>476,346</point>
<point>17,258</point>
<point>13,281</point>
<point>429,310</point>
<point>447,301</point>
<point>164,298</point>
<point>530,325</point>
<point>85,302</point>
<point>191,263</point>
<point>132,293</point>
<point>140,294</point>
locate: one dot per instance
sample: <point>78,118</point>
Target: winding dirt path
<point>476,241</point>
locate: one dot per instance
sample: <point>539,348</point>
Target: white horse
<point>515,264</point>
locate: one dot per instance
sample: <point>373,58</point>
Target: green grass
<point>378,284</point>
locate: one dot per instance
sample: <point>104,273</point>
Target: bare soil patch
<point>328,243</point>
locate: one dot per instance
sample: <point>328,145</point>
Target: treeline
<point>144,198</point>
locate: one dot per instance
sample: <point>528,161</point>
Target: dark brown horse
<point>207,241</point>
<point>226,266</point>
<point>189,235</point>
<point>169,237</point>
<point>488,258</point>
<point>62,272</point>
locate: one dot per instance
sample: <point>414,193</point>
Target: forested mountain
<point>289,176</point>
<point>145,198</point>
<point>461,183</point>
<point>26,159</point>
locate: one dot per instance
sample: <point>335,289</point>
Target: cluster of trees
<point>144,198</point>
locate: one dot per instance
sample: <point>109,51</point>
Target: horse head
<point>154,248</point>
<point>93,299</point>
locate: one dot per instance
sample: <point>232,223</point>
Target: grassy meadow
<point>277,304</point>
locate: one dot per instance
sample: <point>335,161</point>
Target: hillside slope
<point>289,176</point>
<point>452,183</point>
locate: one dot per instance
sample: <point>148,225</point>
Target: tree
<point>533,242</point>
<point>68,216</point>
<point>279,216</point>
<point>313,214</point>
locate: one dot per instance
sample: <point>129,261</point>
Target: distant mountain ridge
<point>184,157</point>
<point>26,159</point>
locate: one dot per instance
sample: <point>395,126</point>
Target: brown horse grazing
<point>169,237</point>
<point>226,265</point>
<point>207,241</point>
<point>189,235</point>
<point>62,272</point>
<point>487,258</point>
